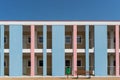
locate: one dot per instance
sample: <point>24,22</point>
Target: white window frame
<point>81,39</point>
<point>38,39</point>
<point>81,63</point>
<point>38,63</point>
<point>27,63</point>
<point>65,39</point>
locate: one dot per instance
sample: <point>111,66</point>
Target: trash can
<point>68,70</point>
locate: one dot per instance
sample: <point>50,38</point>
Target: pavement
<point>59,78</point>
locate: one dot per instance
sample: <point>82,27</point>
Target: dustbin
<point>68,70</point>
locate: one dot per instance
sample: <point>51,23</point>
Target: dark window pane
<point>40,39</point>
<point>5,64</point>
<point>67,39</point>
<point>29,40</point>
<point>40,62</point>
<point>78,62</point>
<point>29,63</point>
<point>114,63</point>
<point>79,39</point>
<point>67,63</point>
<point>5,39</point>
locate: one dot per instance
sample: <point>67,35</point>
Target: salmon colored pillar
<point>32,50</point>
<point>117,48</point>
<point>74,70</point>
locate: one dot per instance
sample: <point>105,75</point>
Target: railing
<point>91,67</point>
<point>111,70</point>
<point>49,70</point>
<point>38,45</point>
<point>80,45</point>
<point>49,43</point>
<point>26,44</point>
<point>111,45</point>
<point>81,67</point>
<point>91,43</point>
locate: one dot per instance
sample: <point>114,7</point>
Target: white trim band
<point>59,22</point>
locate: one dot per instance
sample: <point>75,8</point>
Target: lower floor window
<point>29,63</point>
<point>40,63</point>
<point>79,63</point>
<point>67,63</point>
<point>5,63</point>
<point>114,63</point>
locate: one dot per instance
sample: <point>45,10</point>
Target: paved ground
<point>61,78</point>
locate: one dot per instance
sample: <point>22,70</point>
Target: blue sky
<point>59,9</point>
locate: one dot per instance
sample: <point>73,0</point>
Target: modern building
<point>46,48</point>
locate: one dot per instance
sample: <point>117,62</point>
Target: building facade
<point>46,48</point>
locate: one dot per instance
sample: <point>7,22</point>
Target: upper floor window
<point>40,39</point>
<point>5,39</point>
<point>29,39</point>
<point>79,39</point>
<point>67,39</point>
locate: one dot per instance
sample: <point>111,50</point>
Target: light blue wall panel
<point>100,51</point>
<point>87,46</point>
<point>44,50</point>
<point>15,55</point>
<point>1,50</point>
<point>58,50</point>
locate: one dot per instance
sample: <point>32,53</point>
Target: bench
<point>83,72</point>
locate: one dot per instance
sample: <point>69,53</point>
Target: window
<point>114,63</point>
<point>29,39</point>
<point>29,63</point>
<point>40,63</point>
<point>114,39</point>
<point>79,63</point>
<point>67,63</point>
<point>5,39</point>
<point>79,40</point>
<point>40,39</point>
<point>67,39</point>
<point>5,63</point>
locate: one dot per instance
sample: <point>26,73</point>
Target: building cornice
<point>59,22</point>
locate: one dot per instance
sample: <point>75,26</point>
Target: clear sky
<point>59,9</point>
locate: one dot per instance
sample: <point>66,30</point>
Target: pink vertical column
<point>32,50</point>
<point>117,48</point>
<point>74,70</point>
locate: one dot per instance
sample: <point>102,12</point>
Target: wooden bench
<point>83,72</point>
